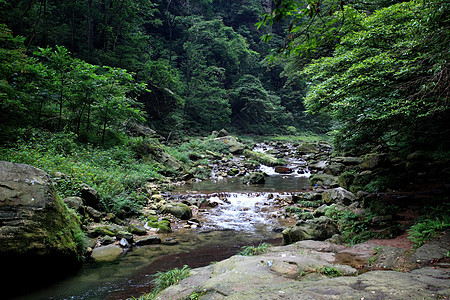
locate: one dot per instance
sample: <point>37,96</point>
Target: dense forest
<point>129,98</point>
<point>375,75</point>
<point>377,72</point>
<point>89,67</point>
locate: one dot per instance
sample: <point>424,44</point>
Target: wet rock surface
<point>303,271</point>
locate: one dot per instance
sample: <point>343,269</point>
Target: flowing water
<point>245,215</point>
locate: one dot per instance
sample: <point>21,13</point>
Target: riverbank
<point>321,270</point>
<point>294,190</point>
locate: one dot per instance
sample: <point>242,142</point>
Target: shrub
<point>427,228</point>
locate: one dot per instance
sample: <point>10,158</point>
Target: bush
<point>114,172</point>
<point>427,227</point>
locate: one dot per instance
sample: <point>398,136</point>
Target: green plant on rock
<point>163,280</point>
<point>329,271</point>
<point>427,228</point>
<point>252,250</point>
<point>293,209</point>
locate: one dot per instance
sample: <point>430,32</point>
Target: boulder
<point>152,240</point>
<point>233,145</point>
<point>338,195</point>
<point>93,213</point>
<point>308,148</point>
<point>283,170</point>
<point>222,132</point>
<point>106,253</point>
<point>347,160</point>
<point>137,229</point>
<point>320,165</point>
<point>436,249</point>
<point>179,210</point>
<point>254,178</point>
<point>90,196</point>
<point>324,179</point>
<point>334,168</point>
<point>317,229</point>
<point>373,160</point>
<point>141,130</point>
<point>169,161</point>
<point>75,203</point>
<point>37,230</point>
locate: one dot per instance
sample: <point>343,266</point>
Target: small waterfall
<point>240,211</point>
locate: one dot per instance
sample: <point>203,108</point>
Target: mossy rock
<point>254,178</point>
<point>263,158</point>
<point>308,148</point>
<point>178,210</point>
<point>324,179</point>
<point>37,229</point>
<point>163,225</point>
<point>136,229</point>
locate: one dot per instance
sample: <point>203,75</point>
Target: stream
<point>245,215</point>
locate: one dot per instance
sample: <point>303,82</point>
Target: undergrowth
<point>114,172</point>
<point>163,280</point>
<point>427,227</point>
<point>252,250</point>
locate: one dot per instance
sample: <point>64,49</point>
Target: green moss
<point>263,158</point>
<point>163,225</point>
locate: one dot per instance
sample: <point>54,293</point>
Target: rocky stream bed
<point>299,202</point>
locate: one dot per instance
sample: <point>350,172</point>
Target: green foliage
<point>306,203</point>
<point>329,271</point>
<point>428,226</point>
<point>353,227</point>
<point>165,279</point>
<point>113,172</point>
<point>376,85</point>
<point>254,109</point>
<point>252,250</point>
<point>293,209</point>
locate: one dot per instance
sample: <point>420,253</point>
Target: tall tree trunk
<point>90,30</point>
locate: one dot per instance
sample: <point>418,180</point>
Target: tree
<point>255,110</point>
<point>388,83</point>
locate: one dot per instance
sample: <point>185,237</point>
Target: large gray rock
<point>296,272</point>
<point>234,146</point>
<point>179,210</point>
<point>308,148</point>
<point>348,161</point>
<point>318,229</point>
<point>435,249</point>
<point>169,161</point>
<point>106,253</point>
<point>338,195</point>
<point>324,179</point>
<point>37,230</point>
